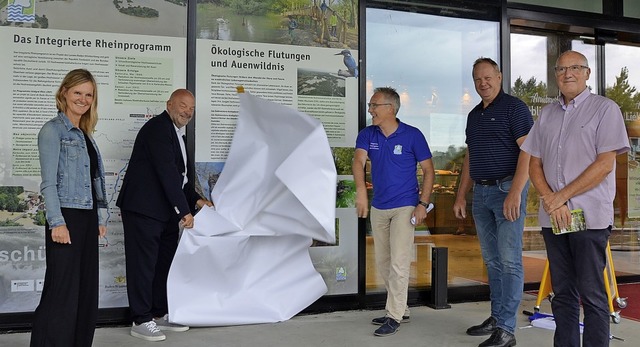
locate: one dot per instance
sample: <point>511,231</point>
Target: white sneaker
<point>147,331</point>
<point>164,324</point>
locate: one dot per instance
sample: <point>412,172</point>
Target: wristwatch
<point>426,206</point>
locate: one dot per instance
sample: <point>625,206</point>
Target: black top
<point>93,167</point>
<point>152,185</point>
<point>492,133</point>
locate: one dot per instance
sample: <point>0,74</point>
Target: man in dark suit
<point>155,199</point>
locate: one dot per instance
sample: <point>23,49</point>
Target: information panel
<point>136,50</point>
<point>303,55</point>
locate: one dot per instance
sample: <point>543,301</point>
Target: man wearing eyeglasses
<point>573,147</point>
<point>395,149</point>
<point>497,170</point>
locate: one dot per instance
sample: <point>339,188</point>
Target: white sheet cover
<point>247,260</point>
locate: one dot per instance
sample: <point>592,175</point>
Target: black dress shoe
<point>499,338</point>
<point>486,328</point>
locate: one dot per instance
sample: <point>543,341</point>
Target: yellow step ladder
<point>610,283</point>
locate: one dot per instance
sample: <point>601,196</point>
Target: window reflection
<point>535,85</point>
<point>622,83</point>
<point>429,60</point>
<point>434,82</point>
<point>589,51</point>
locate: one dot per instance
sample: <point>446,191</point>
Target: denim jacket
<point>64,168</point>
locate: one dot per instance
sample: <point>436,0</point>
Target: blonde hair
<point>76,77</point>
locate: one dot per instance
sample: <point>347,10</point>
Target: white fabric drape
<point>247,260</point>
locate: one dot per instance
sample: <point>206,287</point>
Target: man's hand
<point>60,234</point>
<point>362,204</point>
<point>201,202</point>
<point>460,208</point>
<point>420,214</point>
<point>511,206</point>
<point>561,217</point>
<point>552,201</point>
<point>102,230</point>
<point>187,221</point>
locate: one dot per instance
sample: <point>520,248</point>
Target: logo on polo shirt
<point>397,149</point>
<point>374,145</point>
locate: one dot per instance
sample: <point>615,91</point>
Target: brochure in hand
<point>577,223</point>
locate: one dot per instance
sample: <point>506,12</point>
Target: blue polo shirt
<point>491,137</point>
<point>394,163</point>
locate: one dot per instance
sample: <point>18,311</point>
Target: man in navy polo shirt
<point>498,171</point>
<point>395,149</point>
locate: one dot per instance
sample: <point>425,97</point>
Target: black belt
<point>494,182</point>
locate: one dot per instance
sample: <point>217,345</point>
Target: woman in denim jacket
<point>74,191</point>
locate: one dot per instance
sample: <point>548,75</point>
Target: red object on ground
<point>631,291</point>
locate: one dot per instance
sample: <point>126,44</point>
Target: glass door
<point>533,56</point>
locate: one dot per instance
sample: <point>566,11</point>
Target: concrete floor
<point>428,327</point>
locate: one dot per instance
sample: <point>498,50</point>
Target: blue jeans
<point>501,246</point>
<point>577,262</point>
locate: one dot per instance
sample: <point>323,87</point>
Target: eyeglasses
<point>374,105</point>
<point>573,69</point>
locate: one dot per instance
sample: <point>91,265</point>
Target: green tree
<point>352,10</point>
<point>12,204</point>
<point>525,90</point>
<point>450,160</point>
<point>43,21</point>
<point>622,93</point>
<point>8,223</point>
<point>12,190</point>
<point>39,218</point>
<point>217,2</point>
<point>251,7</point>
<point>288,5</point>
<point>343,157</point>
<point>9,199</point>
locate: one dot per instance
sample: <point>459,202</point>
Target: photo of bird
<point>350,63</point>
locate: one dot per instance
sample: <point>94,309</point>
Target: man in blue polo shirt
<point>498,171</point>
<point>395,149</point>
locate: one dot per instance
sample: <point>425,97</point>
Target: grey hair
<point>391,95</point>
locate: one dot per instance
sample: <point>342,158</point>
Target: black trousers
<point>68,309</point>
<point>149,245</point>
<point>576,262</point>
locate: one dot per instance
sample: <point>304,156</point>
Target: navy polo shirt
<point>491,137</point>
<point>394,162</point>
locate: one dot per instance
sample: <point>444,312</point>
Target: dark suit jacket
<point>152,185</point>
